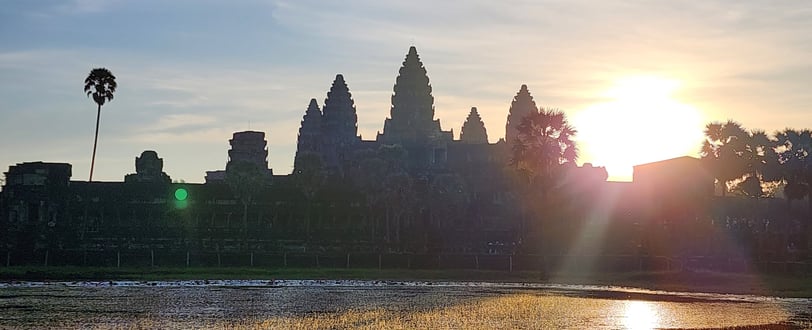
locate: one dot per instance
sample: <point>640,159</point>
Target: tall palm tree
<point>544,143</point>
<point>795,158</point>
<point>724,149</point>
<point>542,149</point>
<point>101,83</point>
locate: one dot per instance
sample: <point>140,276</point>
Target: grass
<point>519,309</point>
<point>516,311</point>
<point>760,284</point>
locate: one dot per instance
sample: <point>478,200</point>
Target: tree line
<point>404,207</point>
<point>755,164</point>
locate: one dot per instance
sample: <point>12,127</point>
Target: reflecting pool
<point>382,304</point>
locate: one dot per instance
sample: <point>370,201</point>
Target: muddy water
<point>262,304</point>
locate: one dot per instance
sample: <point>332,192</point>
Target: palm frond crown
<point>101,84</point>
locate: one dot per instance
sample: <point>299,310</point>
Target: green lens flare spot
<point>181,194</point>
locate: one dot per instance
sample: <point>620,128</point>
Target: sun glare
<point>640,122</point>
<point>640,315</point>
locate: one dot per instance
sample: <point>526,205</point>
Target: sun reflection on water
<point>640,315</point>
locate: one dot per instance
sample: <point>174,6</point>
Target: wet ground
<point>375,304</point>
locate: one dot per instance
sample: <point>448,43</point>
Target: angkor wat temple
<point>412,189</point>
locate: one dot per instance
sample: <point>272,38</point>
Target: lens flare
<point>181,194</point>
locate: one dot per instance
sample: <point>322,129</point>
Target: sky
<point>637,79</point>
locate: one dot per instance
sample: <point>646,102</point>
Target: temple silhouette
<point>413,189</point>
<point>331,134</point>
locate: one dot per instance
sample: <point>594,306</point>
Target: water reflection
<point>639,315</point>
<point>380,305</point>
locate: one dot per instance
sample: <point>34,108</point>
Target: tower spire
<point>412,111</point>
<point>309,133</point>
<point>521,106</point>
<point>473,130</point>
<point>340,117</point>
<point>339,125</point>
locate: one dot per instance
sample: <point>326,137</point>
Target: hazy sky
<point>192,72</point>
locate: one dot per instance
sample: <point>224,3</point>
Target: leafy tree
<point>246,180</point>
<point>721,149</point>
<point>734,154</point>
<point>101,83</point>
<point>794,149</point>
<point>398,189</point>
<point>770,167</point>
<point>399,198</point>
<point>750,187</point>
<point>368,174</point>
<point>386,186</point>
<point>309,177</point>
<point>448,199</point>
<point>761,161</point>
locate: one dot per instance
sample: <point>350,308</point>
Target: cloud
<point>86,6</point>
<point>181,122</point>
<point>53,9</point>
<point>201,70</point>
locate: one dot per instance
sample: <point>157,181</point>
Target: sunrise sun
<point>641,121</point>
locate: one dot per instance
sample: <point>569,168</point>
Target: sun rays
<point>641,121</point>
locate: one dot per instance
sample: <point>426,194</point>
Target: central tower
<point>411,123</point>
<point>412,113</point>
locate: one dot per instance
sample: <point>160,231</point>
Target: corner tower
<point>309,133</point>
<point>521,106</point>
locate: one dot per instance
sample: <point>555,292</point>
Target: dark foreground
<point>337,304</point>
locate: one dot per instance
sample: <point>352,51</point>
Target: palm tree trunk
<point>805,225</point>
<point>95,141</point>
<point>307,219</point>
<point>388,231</point>
<point>245,219</point>
<point>397,227</point>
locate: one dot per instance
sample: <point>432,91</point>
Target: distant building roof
<point>681,176</point>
